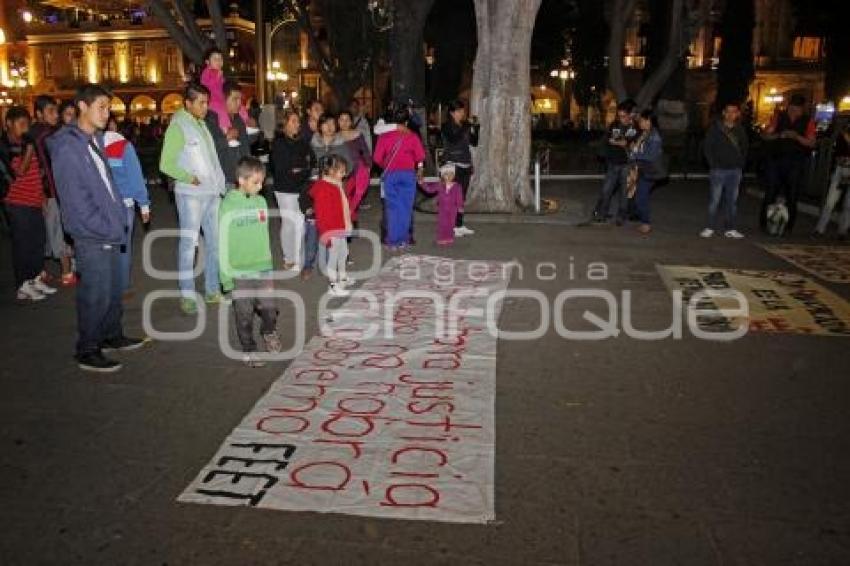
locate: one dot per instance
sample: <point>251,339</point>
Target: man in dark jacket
<point>95,216</point>
<point>792,135</point>
<point>229,153</point>
<point>726,146</point>
<point>621,133</point>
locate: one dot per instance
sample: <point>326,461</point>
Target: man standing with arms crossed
<point>189,157</point>
<point>94,215</point>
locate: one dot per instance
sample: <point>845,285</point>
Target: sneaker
<point>291,267</point>
<point>338,290</point>
<point>188,306</point>
<point>43,287</point>
<point>212,299</point>
<point>97,362</point>
<point>124,344</point>
<point>252,361</point>
<point>306,274</point>
<point>734,234</point>
<point>707,233</point>
<point>467,231</point>
<point>644,229</point>
<point>347,281</point>
<point>28,292</point>
<point>459,233</point>
<point>272,341</point>
<point>69,279</point>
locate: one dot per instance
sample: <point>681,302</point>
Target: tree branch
<point>190,25</point>
<point>166,18</point>
<point>217,18</point>
<point>621,15</point>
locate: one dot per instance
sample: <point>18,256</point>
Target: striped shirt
<point>27,188</point>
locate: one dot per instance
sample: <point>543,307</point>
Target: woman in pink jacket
<point>400,154</point>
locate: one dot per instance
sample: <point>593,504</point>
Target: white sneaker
<point>42,287</point>
<point>28,292</point>
<point>707,233</point>
<point>459,233</point>
<point>467,231</point>
<point>338,290</point>
<point>734,234</point>
<point>346,281</point>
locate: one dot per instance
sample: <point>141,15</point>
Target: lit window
<point>807,48</point>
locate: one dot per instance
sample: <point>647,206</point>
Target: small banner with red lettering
<point>387,413</point>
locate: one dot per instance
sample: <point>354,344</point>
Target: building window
<point>107,66</point>
<point>138,64</point>
<point>807,48</point>
<point>172,63</point>
<point>77,65</point>
<point>48,65</point>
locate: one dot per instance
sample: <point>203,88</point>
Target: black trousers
<point>29,234</point>
<point>244,309</point>
<point>99,306</point>
<point>463,175</point>
<point>784,178</point>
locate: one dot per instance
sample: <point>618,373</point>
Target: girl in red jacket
<point>333,219</point>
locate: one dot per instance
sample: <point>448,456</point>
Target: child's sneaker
<point>251,360</point>
<point>28,292</point>
<point>706,233</point>
<point>188,306</point>
<point>459,233</point>
<point>338,290</point>
<point>466,231</point>
<point>273,344</point>
<point>734,234</point>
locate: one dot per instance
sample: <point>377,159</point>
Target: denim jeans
<point>99,308</point>
<point>644,191</point>
<point>832,197</point>
<point>311,243</point>
<point>724,184</point>
<point>127,251</point>
<point>615,178</point>
<point>198,213</point>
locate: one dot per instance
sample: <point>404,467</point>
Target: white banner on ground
<point>388,413</point>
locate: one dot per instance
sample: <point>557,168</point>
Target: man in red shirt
<point>24,203</point>
<point>792,136</point>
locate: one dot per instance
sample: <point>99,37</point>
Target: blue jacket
<point>649,149</point>
<point>89,212</point>
<point>126,170</point>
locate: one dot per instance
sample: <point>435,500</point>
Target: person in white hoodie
<point>189,157</point>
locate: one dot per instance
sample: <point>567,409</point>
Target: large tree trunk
<point>407,54</point>
<point>502,99</point>
<point>621,13</point>
<point>214,7</point>
<point>736,68</point>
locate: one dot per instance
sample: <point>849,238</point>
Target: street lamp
<point>565,74</point>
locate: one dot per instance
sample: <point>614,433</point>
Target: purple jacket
<point>90,213</point>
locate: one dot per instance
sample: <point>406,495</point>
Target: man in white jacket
<point>189,157</point>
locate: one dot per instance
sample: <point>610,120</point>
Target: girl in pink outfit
<point>212,77</point>
<point>449,203</point>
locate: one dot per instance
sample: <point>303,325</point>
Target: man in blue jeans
<point>189,157</point>
<point>621,133</point>
<point>726,146</point>
<point>94,215</point>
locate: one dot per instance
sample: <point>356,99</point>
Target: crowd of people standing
<point>74,187</point>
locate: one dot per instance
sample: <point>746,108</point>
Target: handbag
<point>393,154</point>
